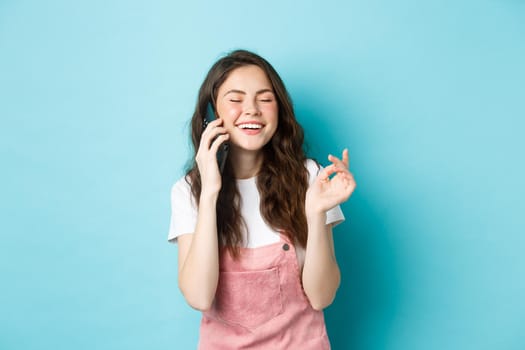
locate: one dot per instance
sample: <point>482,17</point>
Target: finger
<point>211,126</point>
<point>337,162</point>
<point>345,158</point>
<point>324,175</point>
<point>215,122</point>
<point>210,135</point>
<point>341,168</point>
<point>213,132</point>
<point>218,141</point>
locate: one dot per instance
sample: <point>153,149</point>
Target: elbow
<point>200,305</point>
<point>321,297</point>
<point>320,287</point>
<point>321,303</point>
<point>198,302</point>
<point>320,306</point>
<point>198,295</point>
<point>199,298</point>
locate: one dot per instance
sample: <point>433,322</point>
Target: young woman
<point>256,253</point>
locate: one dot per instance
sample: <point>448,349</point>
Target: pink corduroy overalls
<point>260,304</point>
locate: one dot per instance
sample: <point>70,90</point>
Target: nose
<point>252,108</point>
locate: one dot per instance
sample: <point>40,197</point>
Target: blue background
<point>95,98</point>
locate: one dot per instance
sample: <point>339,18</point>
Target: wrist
<point>315,215</point>
<point>208,196</point>
<point>312,208</point>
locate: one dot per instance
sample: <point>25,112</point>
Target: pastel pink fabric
<point>260,304</point>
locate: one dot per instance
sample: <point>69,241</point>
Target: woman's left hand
<point>326,192</point>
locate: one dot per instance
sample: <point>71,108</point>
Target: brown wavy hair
<point>283,178</point>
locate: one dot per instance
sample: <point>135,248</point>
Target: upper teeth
<point>250,126</point>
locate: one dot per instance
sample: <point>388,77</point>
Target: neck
<point>246,164</point>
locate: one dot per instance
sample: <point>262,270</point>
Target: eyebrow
<point>235,91</point>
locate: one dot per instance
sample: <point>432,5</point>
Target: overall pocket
<point>248,298</point>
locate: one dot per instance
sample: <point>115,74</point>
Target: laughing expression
<point>248,106</point>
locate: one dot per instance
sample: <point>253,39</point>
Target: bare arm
<point>321,276</point>
<point>199,259</point>
<point>199,252</point>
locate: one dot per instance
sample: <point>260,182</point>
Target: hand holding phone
<point>222,152</point>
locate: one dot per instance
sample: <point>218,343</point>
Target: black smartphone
<point>222,152</point>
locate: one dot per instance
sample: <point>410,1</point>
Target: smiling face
<point>248,106</point>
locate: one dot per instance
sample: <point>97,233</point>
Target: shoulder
<point>181,190</point>
<point>183,210</point>
<point>312,165</point>
<point>181,185</point>
<point>313,168</point>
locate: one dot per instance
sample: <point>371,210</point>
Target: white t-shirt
<point>257,232</point>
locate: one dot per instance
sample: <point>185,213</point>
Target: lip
<point>250,132</point>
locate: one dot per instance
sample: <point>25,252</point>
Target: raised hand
<point>329,190</point>
<point>212,137</point>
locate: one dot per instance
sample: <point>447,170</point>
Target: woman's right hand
<point>199,251</point>
<point>212,137</point>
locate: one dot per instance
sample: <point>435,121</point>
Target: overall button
<point>286,246</point>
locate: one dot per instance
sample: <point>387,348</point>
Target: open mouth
<point>250,126</point>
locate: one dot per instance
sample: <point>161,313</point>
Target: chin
<point>250,147</point>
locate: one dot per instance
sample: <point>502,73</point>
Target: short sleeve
<point>335,215</point>
<point>183,211</point>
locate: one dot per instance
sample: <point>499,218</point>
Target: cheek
<point>271,111</point>
<point>228,113</point>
